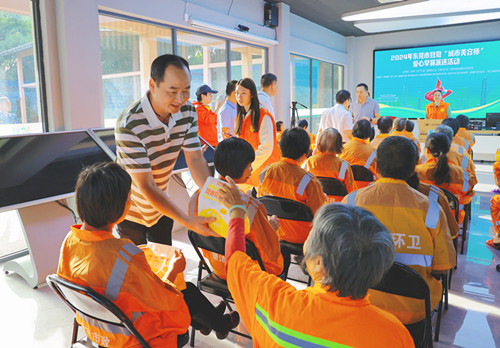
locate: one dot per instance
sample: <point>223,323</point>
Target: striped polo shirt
<point>144,143</point>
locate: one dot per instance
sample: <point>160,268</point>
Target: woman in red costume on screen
<point>437,109</point>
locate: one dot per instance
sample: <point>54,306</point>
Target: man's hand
<point>199,224</point>
<point>177,265</point>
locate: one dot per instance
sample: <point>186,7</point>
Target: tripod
<point>295,113</point>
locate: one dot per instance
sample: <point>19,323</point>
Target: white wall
<point>360,49</point>
<point>312,40</point>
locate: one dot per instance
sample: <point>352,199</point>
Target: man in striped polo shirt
<point>149,135</point>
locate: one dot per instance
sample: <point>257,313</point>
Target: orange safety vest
<point>207,123</point>
<point>286,179</point>
<point>359,152</point>
<point>464,133</point>
<point>262,235</point>
<point>421,238</point>
<point>462,142</point>
<point>459,183</point>
<point>378,139</point>
<point>278,315</point>
<point>328,165</point>
<point>253,138</point>
<point>496,172</point>
<point>439,113</point>
<point>119,270</point>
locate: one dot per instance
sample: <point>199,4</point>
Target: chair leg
<point>439,312</point>
<point>193,331</point>
<point>74,337</point>
<point>465,226</point>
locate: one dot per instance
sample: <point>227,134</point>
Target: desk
<point>485,132</point>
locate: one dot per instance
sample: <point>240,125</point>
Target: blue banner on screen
<point>468,75</point>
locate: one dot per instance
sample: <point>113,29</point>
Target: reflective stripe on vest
<point>351,198</point>
<point>424,159</point>
<point>120,268</point>
<point>414,259</point>
<point>286,337</point>
<point>136,315</point>
<point>343,169</point>
<point>497,223</point>
<point>262,175</point>
<point>467,145</point>
<point>460,150</point>
<point>465,161</point>
<point>460,207</point>
<point>303,184</point>
<point>370,159</point>
<point>432,218</point>
<point>110,328</point>
<point>465,187</point>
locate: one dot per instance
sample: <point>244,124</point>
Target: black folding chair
<point>402,280</point>
<point>332,186</point>
<point>89,304</point>
<point>211,283</point>
<point>288,209</point>
<point>361,173</point>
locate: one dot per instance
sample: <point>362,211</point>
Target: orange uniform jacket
<point>496,172</point>
<point>464,133</point>
<point>312,137</point>
<point>463,161</point>
<point>439,113</point>
<point>495,213</point>
<point>453,226</point>
<point>118,269</point>
<point>278,315</point>
<point>328,165</point>
<point>378,139</point>
<point>407,135</point>
<point>421,237</point>
<point>459,184</point>
<point>359,152</point>
<point>462,142</point>
<point>287,180</point>
<point>253,138</point>
<point>261,233</point>
<point>207,123</point>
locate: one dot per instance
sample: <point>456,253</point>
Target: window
<point>19,86</point>
<point>207,59</point>
<point>129,47</point>
<point>314,84</point>
<point>20,110</point>
<point>247,61</point>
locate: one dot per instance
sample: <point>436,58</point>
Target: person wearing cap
<point>269,87</point>
<point>207,119</point>
<point>437,109</point>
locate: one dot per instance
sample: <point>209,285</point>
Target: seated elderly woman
<point>347,252</point>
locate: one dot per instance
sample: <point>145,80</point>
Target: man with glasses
<point>149,136</point>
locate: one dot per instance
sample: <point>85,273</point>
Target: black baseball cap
<point>204,89</point>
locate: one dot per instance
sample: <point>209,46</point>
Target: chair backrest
<point>287,209</point>
<point>361,173</point>
<point>402,280</point>
<point>90,304</point>
<point>453,200</point>
<point>332,186</point>
<point>218,245</point>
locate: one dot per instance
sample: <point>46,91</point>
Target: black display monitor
<point>492,120</point>
<point>39,168</point>
<point>107,136</point>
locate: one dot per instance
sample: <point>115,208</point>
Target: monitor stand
<point>45,227</point>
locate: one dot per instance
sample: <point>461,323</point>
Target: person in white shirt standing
<point>339,116</point>
<point>227,113</point>
<point>269,87</point>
